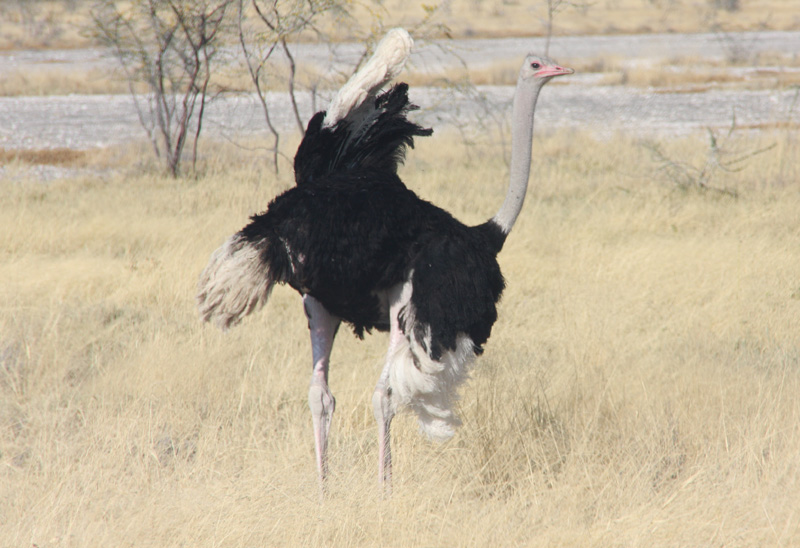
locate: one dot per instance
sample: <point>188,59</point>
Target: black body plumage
<point>350,230</point>
<point>376,143</point>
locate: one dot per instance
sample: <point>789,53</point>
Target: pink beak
<point>554,70</point>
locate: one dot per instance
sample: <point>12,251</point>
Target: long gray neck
<point>521,140</point>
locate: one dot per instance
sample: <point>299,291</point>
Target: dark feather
<point>374,139</point>
<point>457,283</point>
<point>346,239</point>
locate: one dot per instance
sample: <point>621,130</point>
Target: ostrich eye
<point>536,66</point>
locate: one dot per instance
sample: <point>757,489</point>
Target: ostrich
<point>362,248</point>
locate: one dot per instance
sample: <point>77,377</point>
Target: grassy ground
<point>516,18</point>
<point>640,388</point>
<point>63,23</point>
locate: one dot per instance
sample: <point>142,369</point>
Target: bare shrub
<point>169,46</point>
<point>277,25</point>
<point>724,155</point>
<point>555,7</point>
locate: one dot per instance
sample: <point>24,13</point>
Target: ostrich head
<point>540,69</point>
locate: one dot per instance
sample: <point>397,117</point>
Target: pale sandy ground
<point>86,121</point>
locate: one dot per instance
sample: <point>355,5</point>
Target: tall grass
<point>639,389</point>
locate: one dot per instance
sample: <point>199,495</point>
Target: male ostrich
<point>362,248</point>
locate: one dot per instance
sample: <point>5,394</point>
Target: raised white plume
<point>385,64</point>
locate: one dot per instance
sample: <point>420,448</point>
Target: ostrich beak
<point>555,70</point>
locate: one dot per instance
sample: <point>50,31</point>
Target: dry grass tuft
<point>692,74</point>
<point>671,79</point>
<point>639,388</point>
<point>57,81</point>
<point>52,157</point>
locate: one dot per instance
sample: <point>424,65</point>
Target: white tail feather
<point>430,387</point>
<point>384,65</point>
<point>235,283</point>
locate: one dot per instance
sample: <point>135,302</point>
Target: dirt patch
<point>64,157</point>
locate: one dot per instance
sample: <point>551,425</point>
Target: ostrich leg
<point>382,408</point>
<point>322,326</point>
<point>382,396</point>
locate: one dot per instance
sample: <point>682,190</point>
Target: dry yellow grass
<point>63,23</point>
<point>503,18</point>
<point>43,23</point>
<point>58,81</point>
<point>697,74</point>
<point>640,388</point>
